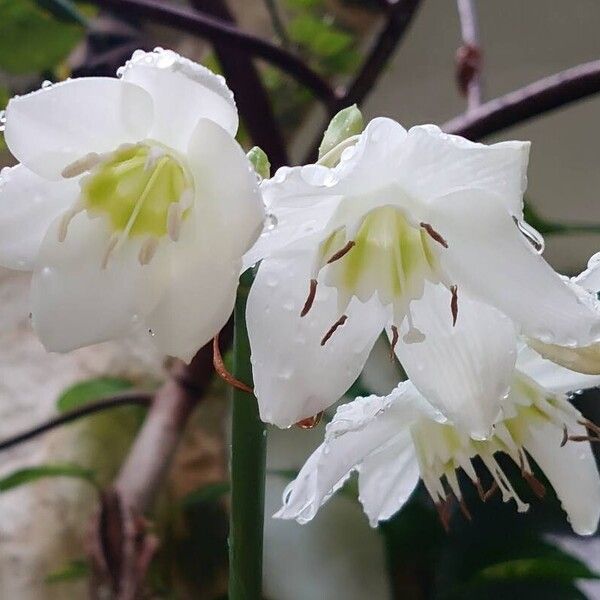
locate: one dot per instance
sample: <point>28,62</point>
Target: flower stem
<point>248,454</point>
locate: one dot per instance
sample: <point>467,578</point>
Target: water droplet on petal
<point>46,84</point>
<point>270,222</point>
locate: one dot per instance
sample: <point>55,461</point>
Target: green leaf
<point>561,568</point>
<point>90,391</point>
<point>64,10</point>
<point>207,493</point>
<point>348,122</point>
<point>319,36</point>
<point>75,570</point>
<point>33,40</point>
<point>260,162</point>
<point>303,4</point>
<point>30,474</point>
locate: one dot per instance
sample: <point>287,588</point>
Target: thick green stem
<point>248,454</point>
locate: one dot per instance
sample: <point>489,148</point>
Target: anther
<point>310,299</point>
<point>491,491</point>
<point>434,234</point>
<point>333,329</point>
<point>222,371</point>
<point>341,253</point>
<point>443,510</point>
<point>465,509</point>
<point>148,250</point>
<point>174,218</point>
<point>535,484</point>
<point>454,304</point>
<point>111,246</point>
<point>393,342</point>
<point>565,437</point>
<point>310,422</point>
<point>81,165</point>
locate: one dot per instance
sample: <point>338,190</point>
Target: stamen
<point>454,304</point>
<point>63,227</point>
<point>538,488</point>
<point>465,509</point>
<point>487,495</point>
<point>394,342</point>
<point>222,371</point>
<point>148,250</point>
<point>565,437</point>
<point>434,234</point>
<point>443,510</point>
<point>81,165</point>
<point>174,219</point>
<point>584,438</point>
<point>590,426</point>
<point>341,253</point>
<point>111,246</point>
<point>333,328</point>
<point>310,299</point>
<point>310,422</point>
<point>530,234</point>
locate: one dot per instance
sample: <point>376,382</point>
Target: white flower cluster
<point>134,207</point>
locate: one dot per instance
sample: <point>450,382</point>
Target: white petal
<point>294,376</point>
<point>28,205</point>
<point>388,477</point>
<point>590,278</point>
<point>551,376</point>
<point>55,126</point>
<point>200,285</point>
<point>358,429</point>
<point>183,92</point>
<point>226,184</point>
<point>373,162</point>
<point>436,163</point>
<point>571,470</point>
<point>463,370</point>
<point>489,257</point>
<point>77,303</point>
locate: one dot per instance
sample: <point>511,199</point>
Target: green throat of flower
<point>142,191</point>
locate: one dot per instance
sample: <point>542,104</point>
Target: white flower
<point>585,359</point>
<point>132,205</point>
<point>395,236</point>
<point>394,441</point>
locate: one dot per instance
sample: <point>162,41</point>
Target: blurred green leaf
<point>90,391</point>
<point>346,123</point>
<point>30,474</point>
<point>260,162</point>
<point>75,570</point>
<point>284,473</point>
<point>33,40</point>
<point>563,568</point>
<point>298,4</point>
<point>320,37</point>
<point>207,493</point>
<point>64,10</point>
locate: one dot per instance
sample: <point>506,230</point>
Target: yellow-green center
<point>135,188</point>
<point>389,256</point>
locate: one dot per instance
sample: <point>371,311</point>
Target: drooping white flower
<point>132,205</point>
<point>396,236</point>
<point>585,359</point>
<point>394,441</point>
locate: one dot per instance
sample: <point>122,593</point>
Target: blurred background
<point>48,486</point>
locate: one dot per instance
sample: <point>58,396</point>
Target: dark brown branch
<point>218,31</point>
<point>125,399</point>
<point>530,101</point>
<point>250,95</point>
<point>399,16</point>
<point>468,56</point>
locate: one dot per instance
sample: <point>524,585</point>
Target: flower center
<point>388,255</point>
<point>141,189</point>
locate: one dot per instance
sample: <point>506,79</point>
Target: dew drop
<point>46,84</point>
<point>270,222</point>
<point>158,49</point>
<point>347,153</point>
<point>151,332</point>
<point>2,120</point>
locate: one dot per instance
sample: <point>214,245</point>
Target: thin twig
<point>468,57</point>
<point>530,101</point>
<point>215,30</point>
<point>125,399</point>
<point>277,23</point>
<point>253,102</point>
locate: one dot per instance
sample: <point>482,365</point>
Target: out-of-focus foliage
<point>74,570</point>
<point>31,474</point>
<point>32,40</point>
<point>260,162</point>
<point>88,391</point>
<point>348,122</point>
